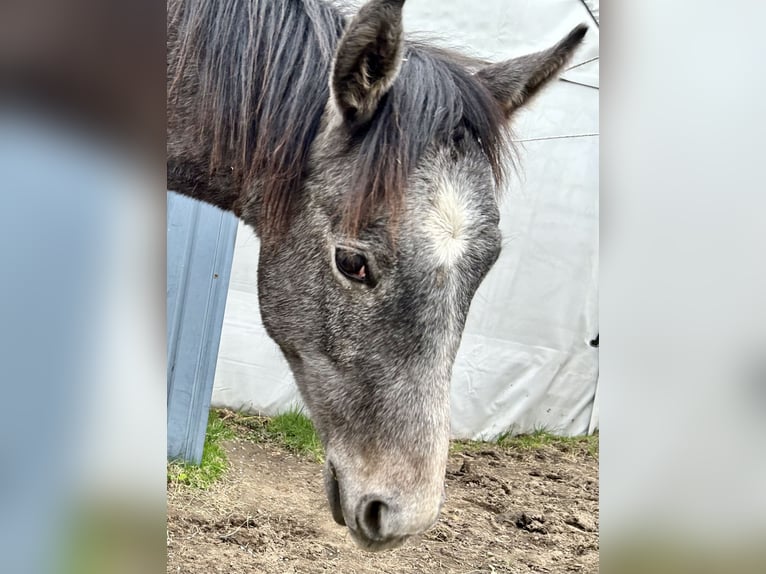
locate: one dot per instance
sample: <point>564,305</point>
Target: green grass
<point>538,439</point>
<point>292,430</point>
<point>295,430</point>
<point>213,463</point>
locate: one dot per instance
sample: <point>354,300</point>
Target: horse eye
<point>352,265</point>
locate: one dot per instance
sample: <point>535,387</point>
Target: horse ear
<point>368,59</point>
<point>514,82</point>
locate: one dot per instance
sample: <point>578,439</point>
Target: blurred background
<point>82,237</point>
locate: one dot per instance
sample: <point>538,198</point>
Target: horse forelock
<point>435,100</point>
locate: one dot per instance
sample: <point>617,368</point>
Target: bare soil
<point>507,510</point>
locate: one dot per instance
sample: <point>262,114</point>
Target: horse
<point>369,165</point>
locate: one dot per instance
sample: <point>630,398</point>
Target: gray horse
<point>369,166</point>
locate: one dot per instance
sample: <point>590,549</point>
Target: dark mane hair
<point>262,72</point>
<point>435,99</point>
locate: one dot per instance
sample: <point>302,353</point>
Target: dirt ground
<point>507,510</point>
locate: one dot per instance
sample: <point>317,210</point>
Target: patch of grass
<point>296,431</point>
<point>292,430</point>
<point>213,463</point>
<point>246,426</point>
<point>535,440</point>
<point>541,438</point>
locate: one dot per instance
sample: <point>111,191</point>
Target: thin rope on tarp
<point>578,83</point>
<point>593,59</point>
<point>572,136</point>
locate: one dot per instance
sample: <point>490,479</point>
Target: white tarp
<point>525,361</point>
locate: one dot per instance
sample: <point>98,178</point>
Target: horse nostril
<point>372,517</point>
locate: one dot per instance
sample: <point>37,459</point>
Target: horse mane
<point>262,68</point>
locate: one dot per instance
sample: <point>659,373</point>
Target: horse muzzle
<point>380,517</point>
